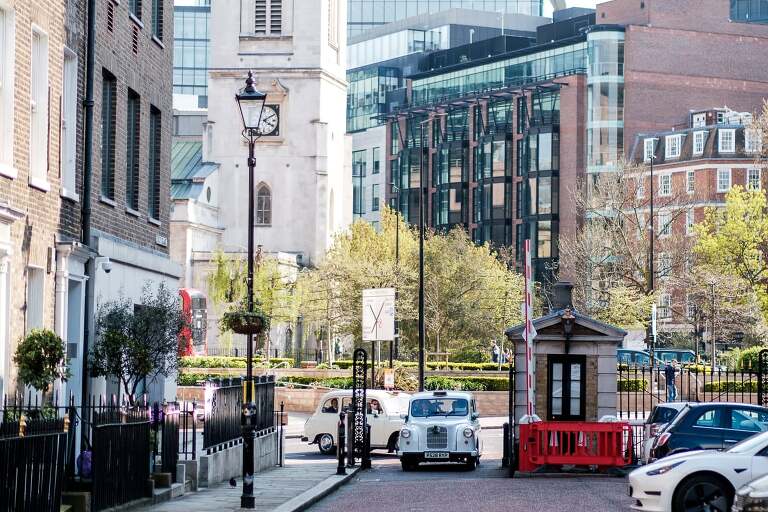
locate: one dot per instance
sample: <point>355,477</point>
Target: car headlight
<point>750,504</point>
<point>664,469</point>
<point>405,433</point>
<point>468,432</point>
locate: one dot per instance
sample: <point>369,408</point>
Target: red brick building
<point>694,167</point>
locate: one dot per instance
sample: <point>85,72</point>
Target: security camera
<point>105,264</point>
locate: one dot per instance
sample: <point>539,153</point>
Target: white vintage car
<point>385,411</point>
<point>440,426</point>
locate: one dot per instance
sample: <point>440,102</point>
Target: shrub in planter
<point>40,357</point>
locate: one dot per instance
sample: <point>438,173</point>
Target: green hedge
<point>430,383</point>
<point>632,385</point>
<point>748,358</point>
<point>437,365</point>
<point>225,362</point>
<point>731,386</point>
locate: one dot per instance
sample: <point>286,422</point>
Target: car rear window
<point>662,414</point>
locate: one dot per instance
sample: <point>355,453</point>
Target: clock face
<point>270,120</point>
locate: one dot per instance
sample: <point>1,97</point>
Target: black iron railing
<point>189,415</point>
<point>223,410</point>
<point>639,389</point>
<point>34,442</point>
<point>165,438</point>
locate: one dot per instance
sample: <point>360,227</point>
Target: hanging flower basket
<point>244,322</point>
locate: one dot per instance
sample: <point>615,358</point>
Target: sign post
<point>378,319</point>
<point>530,332</point>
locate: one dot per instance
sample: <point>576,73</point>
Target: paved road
<point>447,488</point>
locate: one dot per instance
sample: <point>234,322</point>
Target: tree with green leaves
<point>734,240</point>
<point>40,358</point>
<point>471,293</point>
<point>274,289</point>
<point>136,342</point>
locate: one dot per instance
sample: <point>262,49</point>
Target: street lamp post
<point>422,194</point>
<point>396,192</point>
<point>251,104</point>
<point>652,236</point>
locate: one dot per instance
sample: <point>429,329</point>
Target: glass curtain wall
<point>191,52</point>
<point>540,186</point>
<point>605,99</point>
<point>534,67</point>
<point>363,15</point>
<point>366,95</point>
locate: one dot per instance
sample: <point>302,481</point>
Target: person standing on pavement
<point>495,351</point>
<point>669,375</point>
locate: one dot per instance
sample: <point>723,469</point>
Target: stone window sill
<point>131,211</point>
<point>39,183</point>
<point>69,194</point>
<point>107,201</point>
<point>157,41</point>
<point>136,20</point>
<point>154,222</point>
<point>8,171</point>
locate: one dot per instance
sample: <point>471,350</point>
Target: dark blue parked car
<point>710,426</point>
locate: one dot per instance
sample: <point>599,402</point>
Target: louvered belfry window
<point>268,17</point>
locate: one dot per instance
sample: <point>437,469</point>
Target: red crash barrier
<point>580,443</point>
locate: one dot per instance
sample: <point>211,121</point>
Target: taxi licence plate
<point>436,455</point>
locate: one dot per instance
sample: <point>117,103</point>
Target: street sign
<point>379,314</point>
<point>389,378</point>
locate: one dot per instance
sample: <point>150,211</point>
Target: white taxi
<point>440,426</point>
<point>385,411</point>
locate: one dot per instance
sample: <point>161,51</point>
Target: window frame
<point>721,147</point>
<point>720,189</point>
<point>39,111</point>
<point>108,127</point>
<point>154,164</point>
<point>665,305</point>
<point>649,149</point>
<point>690,181</point>
<point>375,197</point>
<point>7,80</point>
<point>752,141</point>
<point>158,19</point>
<point>699,137</point>
<point>265,211</point>
<point>748,184</point>
<point>665,184</point>
<point>690,221</point>
<point>664,220</point>
<point>68,138</point>
<point>678,142</point>
<point>132,150</point>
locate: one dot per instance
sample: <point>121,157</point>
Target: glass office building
<point>191,49</point>
<point>363,15</point>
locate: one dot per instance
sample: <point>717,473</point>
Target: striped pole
<point>530,331</point>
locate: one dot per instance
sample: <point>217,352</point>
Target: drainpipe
<point>90,57</point>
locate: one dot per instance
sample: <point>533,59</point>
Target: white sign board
<point>389,378</point>
<point>379,314</point>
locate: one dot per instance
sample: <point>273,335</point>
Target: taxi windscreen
<point>424,407</point>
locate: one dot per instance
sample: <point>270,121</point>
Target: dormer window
<point>672,146</point>
<point>752,142</point>
<point>649,148</point>
<point>727,140</point>
<point>698,142</point>
<point>699,120</point>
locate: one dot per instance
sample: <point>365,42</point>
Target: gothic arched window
<point>263,205</point>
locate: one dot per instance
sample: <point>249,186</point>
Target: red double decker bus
<point>193,339</point>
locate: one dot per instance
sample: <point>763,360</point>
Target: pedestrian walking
<point>669,375</point>
<point>495,352</point>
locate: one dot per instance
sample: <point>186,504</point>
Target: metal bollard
<point>340,445</point>
<point>350,439</point>
<point>366,462</point>
<point>505,449</point>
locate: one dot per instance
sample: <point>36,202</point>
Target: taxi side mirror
<point>403,416</point>
<point>474,416</point>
